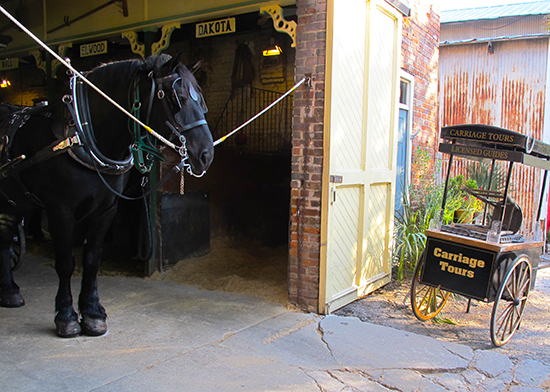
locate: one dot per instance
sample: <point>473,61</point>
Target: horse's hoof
<point>70,329</point>
<point>12,301</point>
<point>93,326</point>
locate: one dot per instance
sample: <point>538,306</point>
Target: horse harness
<point>77,138</point>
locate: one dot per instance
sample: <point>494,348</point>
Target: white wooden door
<point>362,118</point>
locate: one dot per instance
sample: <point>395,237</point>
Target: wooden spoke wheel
<point>426,301</point>
<point>17,249</point>
<point>510,301</point>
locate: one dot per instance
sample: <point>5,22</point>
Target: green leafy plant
<point>480,172</point>
<point>419,205</point>
<point>409,237</point>
<point>459,199</point>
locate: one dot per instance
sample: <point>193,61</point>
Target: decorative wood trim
<point>281,25</point>
<point>137,48</point>
<point>40,63</point>
<point>164,41</point>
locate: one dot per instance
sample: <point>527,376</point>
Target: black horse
<point>63,165</point>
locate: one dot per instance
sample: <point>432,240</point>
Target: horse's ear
<point>194,68</point>
<point>155,63</point>
<point>174,62</point>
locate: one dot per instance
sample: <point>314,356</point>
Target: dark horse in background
<point>67,183</point>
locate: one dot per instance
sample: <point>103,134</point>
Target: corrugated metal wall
<point>505,89</point>
<point>495,28</point>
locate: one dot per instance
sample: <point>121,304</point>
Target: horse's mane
<point>121,72</point>
<point>188,78</point>
<point>117,70</point>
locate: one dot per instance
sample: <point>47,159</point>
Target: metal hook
<point>309,80</point>
<point>532,141</point>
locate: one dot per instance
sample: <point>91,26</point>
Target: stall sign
<point>93,49</point>
<point>215,27</point>
<point>458,268</point>
<point>9,63</point>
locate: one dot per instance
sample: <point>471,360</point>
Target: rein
<point>143,149</point>
<point>88,152</point>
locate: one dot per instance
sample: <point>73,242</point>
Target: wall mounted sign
<point>93,49</point>
<point>9,63</point>
<point>215,27</point>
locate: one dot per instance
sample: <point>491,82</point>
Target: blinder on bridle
<point>177,85</point>
<point>173,102</point>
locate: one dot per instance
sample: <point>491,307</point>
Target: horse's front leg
<point>10,296</point>
<point>93,315</point>
<point>61,227</point>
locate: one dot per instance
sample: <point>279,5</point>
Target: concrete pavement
<point>166,337</point>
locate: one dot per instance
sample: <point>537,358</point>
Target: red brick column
<point>307,156</point>
<point>420,53</point>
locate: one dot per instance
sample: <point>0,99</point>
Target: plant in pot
<point>463,206</point>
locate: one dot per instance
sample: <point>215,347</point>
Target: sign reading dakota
<point>215,27</point>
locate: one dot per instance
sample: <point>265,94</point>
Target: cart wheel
<point>17,249</point>
<point>426,301</point>
<point>510,301</point>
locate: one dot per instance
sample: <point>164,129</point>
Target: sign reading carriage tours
<point>215,27</point>
<point>490,135</point>
<point>93,49</point>
<point>458,268</point>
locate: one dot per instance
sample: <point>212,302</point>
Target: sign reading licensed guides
<point>215,27</point>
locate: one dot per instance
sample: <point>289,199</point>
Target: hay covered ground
<point>245,268</point>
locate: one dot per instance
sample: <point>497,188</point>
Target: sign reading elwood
<point>93,49</point>
<point>458,268</point>
<point>215,27</point>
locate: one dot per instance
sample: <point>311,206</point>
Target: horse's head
<point>184,108</point>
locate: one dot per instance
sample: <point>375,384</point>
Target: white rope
<point>147,128</point>
<point>222,139</point>
<point>69,66</point>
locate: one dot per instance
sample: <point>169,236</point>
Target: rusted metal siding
<point>494,28</point>
<point>495,12</point>
<point>505,89</point>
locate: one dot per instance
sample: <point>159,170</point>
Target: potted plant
<point>464,206</point>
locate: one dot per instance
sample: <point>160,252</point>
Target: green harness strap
<point>144,147</point>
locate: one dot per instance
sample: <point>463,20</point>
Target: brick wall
<point>307,156</point>
<point>420,51</point>
<point>28,84</point>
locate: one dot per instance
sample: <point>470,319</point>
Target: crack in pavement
<point>287,331</point>
<point>321,332</point>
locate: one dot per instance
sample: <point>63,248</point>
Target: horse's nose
<point>206,157</point>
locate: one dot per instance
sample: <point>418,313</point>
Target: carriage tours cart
<point>488,260</point>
